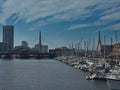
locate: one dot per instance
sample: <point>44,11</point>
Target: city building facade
<point>8,36</point>
<point>44,48</point>
<point>116,50</point>
<point>3,47</point>
<point>63,51</point>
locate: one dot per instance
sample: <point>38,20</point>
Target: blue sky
<point>61,22</point>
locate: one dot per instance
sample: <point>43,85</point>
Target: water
<point>44,75</point>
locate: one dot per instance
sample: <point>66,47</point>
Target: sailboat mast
<point>104,49</point>
<point>111,46</point>
<point>116,43</point>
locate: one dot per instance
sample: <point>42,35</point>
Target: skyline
<point>61,22</point>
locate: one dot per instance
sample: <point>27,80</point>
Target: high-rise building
<point>8,36</point>
<point>3,47</point>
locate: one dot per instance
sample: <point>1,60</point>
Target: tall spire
<point>99,41</point>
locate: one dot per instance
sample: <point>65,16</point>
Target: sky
<point>61,22</point>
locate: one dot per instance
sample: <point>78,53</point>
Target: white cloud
<point>86,25</point>
<point>57,10</point>
<point>113,17</point>
<point>78,26</point>
<point>113,27</point>
<point>111,11</point>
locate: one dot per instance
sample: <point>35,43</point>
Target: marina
<point>96,71</point>
<point>93,66</point>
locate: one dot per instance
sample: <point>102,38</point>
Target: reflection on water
<point>44,75</point>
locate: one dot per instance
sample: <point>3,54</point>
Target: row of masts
<point>89,46</point>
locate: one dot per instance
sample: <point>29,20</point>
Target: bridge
<point>26,54</point>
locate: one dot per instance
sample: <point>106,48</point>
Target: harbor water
<point>44,74</point>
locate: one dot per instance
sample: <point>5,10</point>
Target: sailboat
<point>99,70</point>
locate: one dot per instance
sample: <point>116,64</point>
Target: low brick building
<point>116,50</point>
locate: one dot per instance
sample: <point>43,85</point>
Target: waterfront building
<point>63,51</point>
<point>3,47</point>
<point>8,36</point>
<point>116,50</point>
<point>19,49</point>
<point>44,48</point>
<point>24,44</point>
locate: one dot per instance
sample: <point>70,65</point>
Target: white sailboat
<point>99,70</point>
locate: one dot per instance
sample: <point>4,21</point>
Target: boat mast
<point>93,45</point>
<point>111,46</point>
<point>104,50</point>
<point>116,39</point>
<point>84,49</point>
